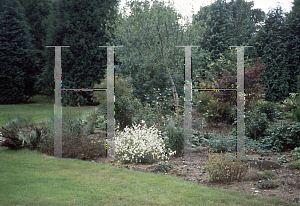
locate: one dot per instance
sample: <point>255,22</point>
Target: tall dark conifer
<point>81,25</point>
<point>17,55</point>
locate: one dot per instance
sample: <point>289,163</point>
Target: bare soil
<point>190,167</point>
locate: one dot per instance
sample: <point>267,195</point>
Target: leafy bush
<point>19,134</point>
<point>252,174</point>
<point>267,185</point>
<point>139,144</point>
<point>164,167</point>
<point>255,124</point>
<point>296,153</point>
<point>282,138</point>
<point>268,174</point>
<point>125,102</point>
<point>95,118</point>
<point>225,168</point>
<point>82,148</point>
<point>291,102</point>
<point>200,138</point>
<point>296,114</point>
<point>175,139</point>
<point>222,144</point>
<point>269,108</point>
<point>283,159</point>
<point>295,165</point>
<point>218,111</point>
<point>201,100</point>
<point>75,145</point>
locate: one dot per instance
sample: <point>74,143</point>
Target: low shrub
<point>164,167</point>
<point>126,104</point>
<point>296,114</point>
<point>269,108</point>
<point>201,101</point>
<point>218,111</point>
<point>267,185</point>
<point>225,168</point>
<point>268,174</point>
<point>282,138</point>
<point>82,147</point>
<point>18,134</point>
<point>252,174</point>
<point>255,124</point>
<point>283,159</point>
<point>296,153</point>
<point>95,119</point>
<point>295,165</point>
<point>140,145</point>
<point>290,102</point>
<point>175,137</point>
<point>222,144</point>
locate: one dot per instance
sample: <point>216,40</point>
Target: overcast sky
<point>189,7</point>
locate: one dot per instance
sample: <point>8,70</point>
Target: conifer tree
<point>17,55</point>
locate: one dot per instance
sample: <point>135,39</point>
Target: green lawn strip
<point>41,110</point>
<point>27,178</point>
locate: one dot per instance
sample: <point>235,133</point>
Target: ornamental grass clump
<point>140,145</point>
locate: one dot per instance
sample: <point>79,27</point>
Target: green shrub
<point>281,138</point>
<point>222,144</point>
<point>268,174</point>
<point>296,153</point>
<point>267,185</point>
<point>225,168</point>
<point>255,124</point>
<point>291,102</point>
<point>283,159</point>
<point>296,114</point>
<point>295,165</point>
<point>252,174</point>
<point>268,108</point>
<point>164,167</point>
<point>18,134</point>
<point>95,118</point>
<point>126,104</point>
<point>200,138</point>
<point>82,148</point>
<point>201,101</point>
<point>176,139</point>
<point>218,111</point>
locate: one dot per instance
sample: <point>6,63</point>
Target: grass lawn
<point>28,178</point>
<point>41,108</point>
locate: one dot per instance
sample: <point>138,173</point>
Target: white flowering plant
<point>140,145</point>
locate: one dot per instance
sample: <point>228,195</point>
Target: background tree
<point>36,12</point>
<point>80,25</point>
<point>224,24</point>
<point>17,55</point>
<point>270,43</point>
<point>293,44</point>
<point>149,56</point>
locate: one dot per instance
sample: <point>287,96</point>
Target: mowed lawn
<point>29,178</point>
<point>41,108</point>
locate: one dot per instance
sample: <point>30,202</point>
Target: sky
<point>189,7</point>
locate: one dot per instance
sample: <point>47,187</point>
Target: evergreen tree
<point>80,25</point>
<point>293,44</point>
<point>36,13</point>
<point>17,55</point>
<point>270,44</point>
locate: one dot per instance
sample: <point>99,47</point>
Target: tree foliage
<point>253,87</point>
<point>149,36</point>
<point>17,59</point>
<point>80,25</point>
<point>270,44</point>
